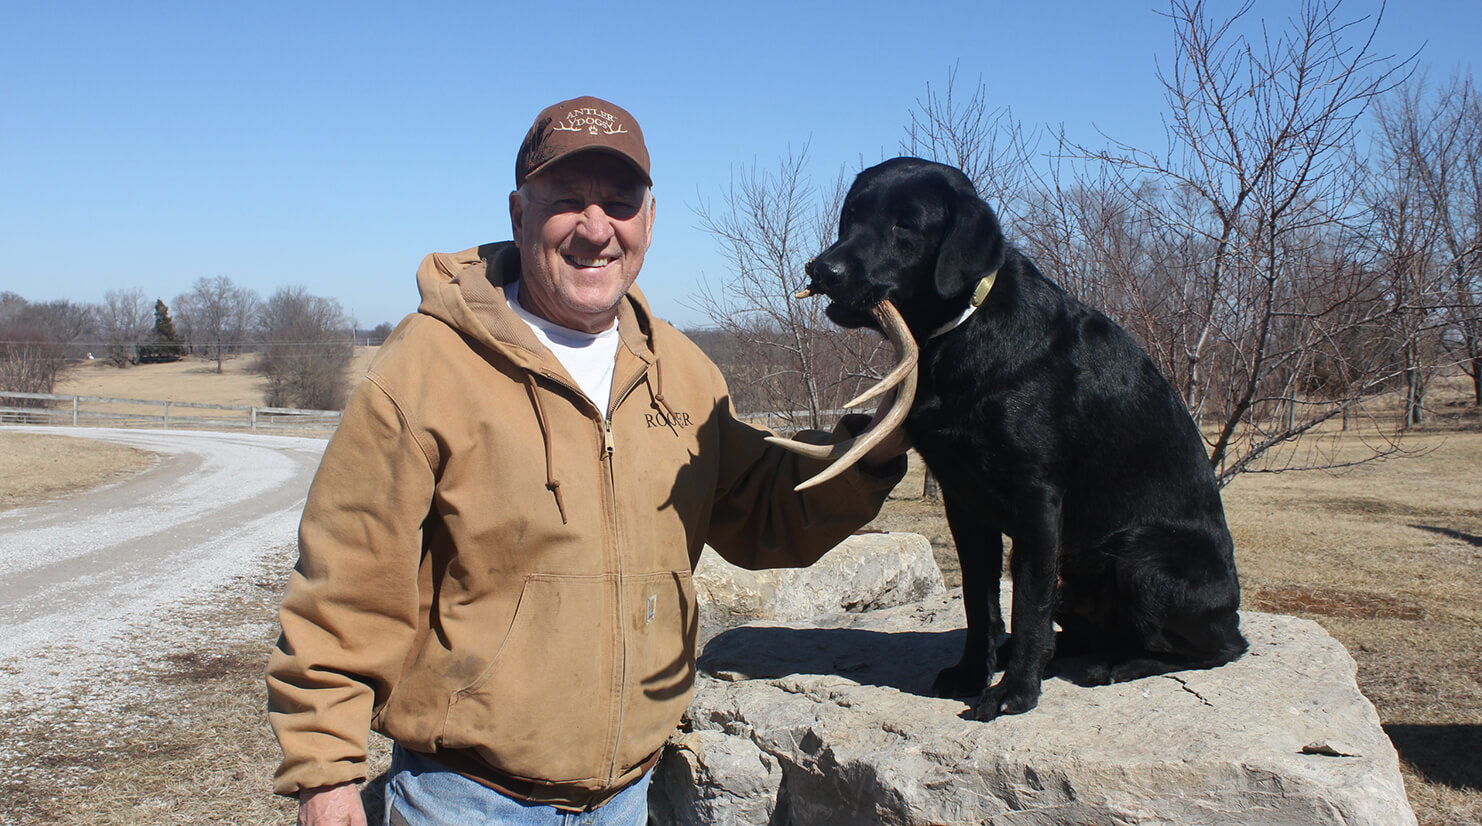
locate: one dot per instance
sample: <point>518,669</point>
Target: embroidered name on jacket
<point>676,420</point>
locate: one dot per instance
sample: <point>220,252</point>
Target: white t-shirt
<point>588,357</point>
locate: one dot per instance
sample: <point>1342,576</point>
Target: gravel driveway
<point>90,585</point>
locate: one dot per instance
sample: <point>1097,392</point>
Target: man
<point>495,555</point>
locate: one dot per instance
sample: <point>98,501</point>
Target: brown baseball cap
<point>581,125</point>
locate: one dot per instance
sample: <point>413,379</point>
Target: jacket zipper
<point>614,554</point>
<point>610,447</point>
<point>612,558</point>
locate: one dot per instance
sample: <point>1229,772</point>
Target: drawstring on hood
<point>551,482</point>
<point>658,393</point>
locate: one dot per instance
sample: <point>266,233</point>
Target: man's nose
<point>595,226</point>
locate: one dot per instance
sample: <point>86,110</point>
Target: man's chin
<point>596,310</point>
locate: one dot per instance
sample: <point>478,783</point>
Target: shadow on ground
<point>1474,541</point>
<point>1431,749</point>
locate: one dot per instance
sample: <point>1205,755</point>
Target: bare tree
<point>1428,195</point>
<point>1464,243</point>
<point>29,362</point>
<point>216,315</point>
<point>125,319</point>
<point>306,350</point>
<point>66,322</point>
<point>1260,170</point>
<point>986,142</point>
<point>379,333</point>
<point>788,358</point>
<point>30,355</point>
<point>1405,242</point>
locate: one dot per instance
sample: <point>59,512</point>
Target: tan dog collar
<point>980,294</point>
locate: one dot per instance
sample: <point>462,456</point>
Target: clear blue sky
<point>147,144</point>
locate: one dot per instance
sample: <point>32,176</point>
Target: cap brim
<point>581,149</point>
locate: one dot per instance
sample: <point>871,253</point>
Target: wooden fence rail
<point>50,408</point>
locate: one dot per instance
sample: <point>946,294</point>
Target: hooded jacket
<point>493,570</point>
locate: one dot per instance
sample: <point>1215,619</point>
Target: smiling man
<point>586,224</point>
<point>495,555</point>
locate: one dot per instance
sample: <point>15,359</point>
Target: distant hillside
<point>191,380</point>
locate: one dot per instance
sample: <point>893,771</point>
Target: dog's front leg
<point>980,553</point>
<point>1034,566</point>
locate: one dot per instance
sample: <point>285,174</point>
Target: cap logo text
<point>592,121</point>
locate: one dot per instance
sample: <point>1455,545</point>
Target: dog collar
<point>980,294</point>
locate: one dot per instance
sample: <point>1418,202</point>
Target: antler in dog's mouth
<point>887,419</point>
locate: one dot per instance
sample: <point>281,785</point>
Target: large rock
<point>833,722</point>
<point>865,572</point>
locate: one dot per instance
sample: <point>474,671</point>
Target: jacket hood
<point>465,290</point>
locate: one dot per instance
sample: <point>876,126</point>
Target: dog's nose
<point>823,271</point>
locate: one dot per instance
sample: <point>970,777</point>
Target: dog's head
<point>912,232</point>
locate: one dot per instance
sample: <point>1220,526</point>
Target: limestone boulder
<point>831,721</point>
<point>865,572</point>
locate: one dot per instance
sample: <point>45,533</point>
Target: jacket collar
<point>466,291</point>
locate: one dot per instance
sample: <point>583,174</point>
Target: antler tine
<point>885,421</point>
<point>878,430</point>
<point>897,374</point>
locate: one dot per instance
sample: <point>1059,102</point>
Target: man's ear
<point>972,247</point>
<point>516,215</point>
<point>653,210</point>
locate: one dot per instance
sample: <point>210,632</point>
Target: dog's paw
<point>1006,698</point>
<point>960,681</point>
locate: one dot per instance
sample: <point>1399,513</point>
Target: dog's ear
<point>973,246</point>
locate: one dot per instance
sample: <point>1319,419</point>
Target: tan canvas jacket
<point>491,566</point>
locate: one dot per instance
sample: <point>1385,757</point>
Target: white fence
<point>53,409</point>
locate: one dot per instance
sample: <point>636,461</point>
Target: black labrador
<point>1046,422</point>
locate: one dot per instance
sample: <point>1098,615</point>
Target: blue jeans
<point>420,792</point>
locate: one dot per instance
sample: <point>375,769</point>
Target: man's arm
<point>351,610</point>
<point>759,521</point>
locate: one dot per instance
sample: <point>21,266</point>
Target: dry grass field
<point>36,468</point>
<point>189,380</point>
<point>1386,556</point>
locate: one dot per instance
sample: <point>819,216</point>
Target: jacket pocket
<point>544,706</point>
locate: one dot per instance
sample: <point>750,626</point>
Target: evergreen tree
<point>164,328</point>
<point>165,344</point>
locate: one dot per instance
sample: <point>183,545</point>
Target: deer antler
<point>887,419</point>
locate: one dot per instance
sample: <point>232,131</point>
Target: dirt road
<point>91,584</point>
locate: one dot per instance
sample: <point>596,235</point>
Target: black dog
<point>1046,422</point>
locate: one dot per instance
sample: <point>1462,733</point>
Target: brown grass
<point>36,468</point>
<point>190,380</point>
<point>1386,556</point>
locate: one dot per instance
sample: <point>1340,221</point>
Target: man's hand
<point>331,806</point>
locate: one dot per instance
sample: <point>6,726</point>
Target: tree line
<point>303,344</point>
<point>1305,247</point>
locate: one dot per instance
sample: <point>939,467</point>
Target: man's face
<point>582,226</point>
